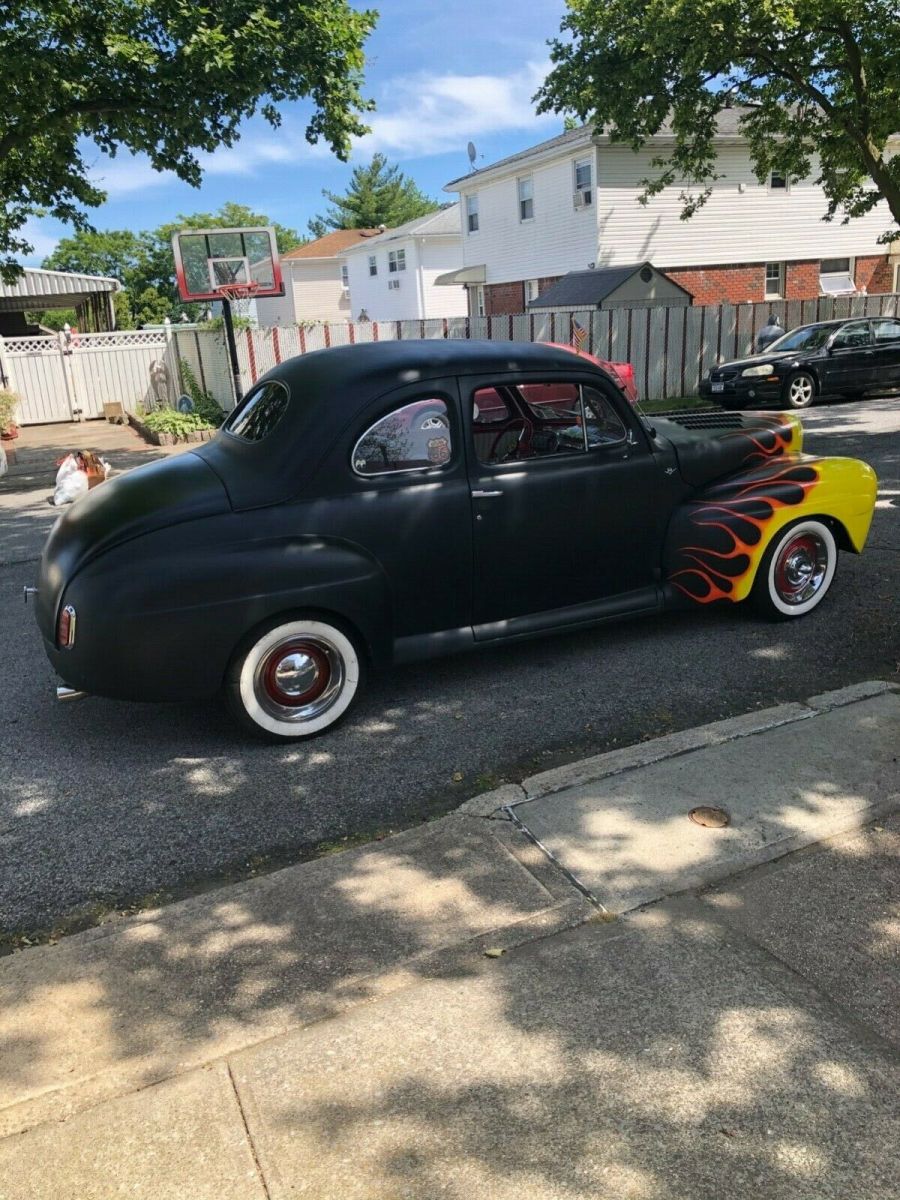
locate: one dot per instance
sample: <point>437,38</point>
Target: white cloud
<point>422,114</point>
<point>125,174</point>
<point>44,243</point>
<point>431,114</point>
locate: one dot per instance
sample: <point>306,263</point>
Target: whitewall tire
<point>796,571</point>
<point>294,678</point>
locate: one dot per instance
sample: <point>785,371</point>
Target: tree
<point>378,194</point>
<point>165,78</point>
<point>117,253</point>
<point>821,79</point>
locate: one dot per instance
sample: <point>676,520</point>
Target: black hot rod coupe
<point>380,503</point>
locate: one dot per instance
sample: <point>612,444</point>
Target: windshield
<point>808,337</point>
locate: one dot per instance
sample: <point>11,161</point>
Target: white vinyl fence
<point>70,380</point>
<point>670,349</point>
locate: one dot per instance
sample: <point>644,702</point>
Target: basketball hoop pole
<point>232,350</point>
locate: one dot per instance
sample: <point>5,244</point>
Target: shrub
<point>168,420</point>
<point>204,405</point>
<point>8,402</point>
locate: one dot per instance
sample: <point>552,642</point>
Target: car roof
<point>333,386</point>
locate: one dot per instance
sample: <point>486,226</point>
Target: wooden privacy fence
<point>669,348</point>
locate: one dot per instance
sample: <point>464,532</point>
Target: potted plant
<point>8,427</point>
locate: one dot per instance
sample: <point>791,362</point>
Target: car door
<point>563,504</point>
<point>886,334</point>
<point>849,364</point>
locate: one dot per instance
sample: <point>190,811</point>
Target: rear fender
<point>717,539</point>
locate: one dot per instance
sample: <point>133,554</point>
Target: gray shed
<point>636,286</point>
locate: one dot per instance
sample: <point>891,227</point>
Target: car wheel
<point>796,570</point>
<point>800,390</point>
<point>294,678</point>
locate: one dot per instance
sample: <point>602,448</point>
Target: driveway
<point>103,803</point>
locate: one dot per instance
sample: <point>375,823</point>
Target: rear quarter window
<point>260,412</point>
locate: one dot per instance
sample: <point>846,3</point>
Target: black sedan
<point>375,504</point>
<point>830,358</point>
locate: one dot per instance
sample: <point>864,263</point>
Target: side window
<point>603,424</point>
<point>854,334</point>
<point>886,331</point>
<point>536,420</point>
<point>259,413</point>
<point>415,437</point>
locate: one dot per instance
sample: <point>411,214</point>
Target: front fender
<point>716,540</point>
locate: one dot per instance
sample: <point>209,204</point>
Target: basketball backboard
<point>208,259</point>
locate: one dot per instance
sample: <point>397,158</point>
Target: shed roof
<point>38,289</point>
<point>588,288</point>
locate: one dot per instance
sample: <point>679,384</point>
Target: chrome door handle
<point>481,495</point>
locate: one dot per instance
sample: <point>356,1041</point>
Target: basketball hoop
<point>236,292</point>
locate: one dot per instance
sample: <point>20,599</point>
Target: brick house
<point>571,203</point>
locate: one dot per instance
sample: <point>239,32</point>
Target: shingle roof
<point>727,125</point>
<point>332,244</point>
<point>442,223</point>
<point>586,288</point>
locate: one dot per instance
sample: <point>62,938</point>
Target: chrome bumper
<point>67,693</point>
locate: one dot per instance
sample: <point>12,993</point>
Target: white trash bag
<point>71,481</point>
<point>4,465</point>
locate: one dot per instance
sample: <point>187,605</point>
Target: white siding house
<point>314,281</point>
<point>572,203</point>
<point>392,275</point>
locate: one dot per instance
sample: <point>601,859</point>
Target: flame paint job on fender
<point>717,540</point>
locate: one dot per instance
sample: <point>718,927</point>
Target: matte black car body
<point>170,567</point>
<point>870,363</point>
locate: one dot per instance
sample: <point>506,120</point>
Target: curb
<point>499,801</point>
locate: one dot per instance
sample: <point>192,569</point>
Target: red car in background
<point>621,372</point>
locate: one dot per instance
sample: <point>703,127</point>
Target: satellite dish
<point>470,150</point>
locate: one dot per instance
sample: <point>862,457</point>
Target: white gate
<point>70,380</point>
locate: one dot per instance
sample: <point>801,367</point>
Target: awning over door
<point>462,276</point>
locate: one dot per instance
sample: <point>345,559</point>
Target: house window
<point>774,281</point>
<point>472,214</point>
<point>478,300</point>
<point>836,277</point>
<point>393,285</point>
<point>396,260</point>
<point>531,290</point>
<point>345,276</point>
<point>525,187</point>
<point>584,182</point>
<point>778,182</point>
<point>373,265</point>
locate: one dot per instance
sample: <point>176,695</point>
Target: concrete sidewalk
<point>451,1012</point>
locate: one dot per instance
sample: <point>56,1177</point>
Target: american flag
<point>579,335</point>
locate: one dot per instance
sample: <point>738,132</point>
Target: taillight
<point>65,628</point>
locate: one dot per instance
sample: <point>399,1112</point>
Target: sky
<point>440,74</point>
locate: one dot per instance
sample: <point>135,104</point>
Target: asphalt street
<point>104,803</point>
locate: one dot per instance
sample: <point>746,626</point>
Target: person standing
<point>769,333</point>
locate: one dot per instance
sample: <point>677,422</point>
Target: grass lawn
<point>678,404</point>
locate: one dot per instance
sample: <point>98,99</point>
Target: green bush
<point>8,402</point>
<point>169,420</point>
<point>204,405</point>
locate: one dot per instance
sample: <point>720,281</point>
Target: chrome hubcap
<point>801,568</point>
<point>801,391</point>
<point>299,678</point>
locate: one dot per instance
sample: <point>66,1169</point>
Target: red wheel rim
<point>282,659</point>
